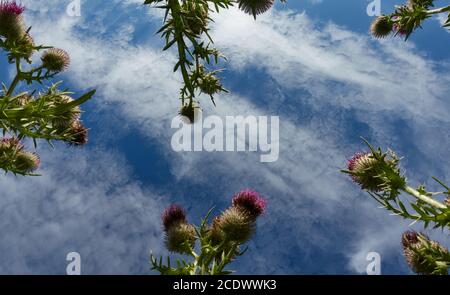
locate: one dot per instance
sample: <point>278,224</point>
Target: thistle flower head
<point>382,26</point>
<point>173,215</point>
<point>250,202</point>
<point>27,162</point>
<point>236,225</point>
<point>190,113</point>
<point>11,21</point>
<point>423,255</point>
<point>255,7</point>
<point>376,171</point>
<point>11,7</point>
<point>366,171</point>
<point>79,134</point>
<point>180,238</point>
<point>55,60</point>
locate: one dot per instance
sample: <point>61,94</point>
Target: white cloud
<point>89,205</point>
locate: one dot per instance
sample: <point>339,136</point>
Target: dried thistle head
<point>55,60</point>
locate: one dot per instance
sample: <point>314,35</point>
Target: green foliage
<point>423,256</point>
<point>409,17</point>
<point>186,28</point>
<point>50,114</point>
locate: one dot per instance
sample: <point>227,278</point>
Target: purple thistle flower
<point>250,201</point>
<point>173,215</point>
<point>11,7</point>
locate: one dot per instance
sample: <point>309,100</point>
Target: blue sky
<point>310,62</point>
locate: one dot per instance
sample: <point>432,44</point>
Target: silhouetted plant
<point>379,174</point>
<point>52,114</point>
<point>219,242</point>
<point>185,24</point>
<point>406,19</point>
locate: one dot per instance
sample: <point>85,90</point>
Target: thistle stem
<point>175,10</point>
<point>438,10</point>
<point>16,79</point>
<point>413,192</point>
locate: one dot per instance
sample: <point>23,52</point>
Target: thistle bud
<point>255,7</point>
<point>382,26</point>
<point>210,84</point>
<point>10,145</point>
<point>423,255</point>
<point>79,134</point>
<point>25,46</point>
<point>172,216</point>
<point>196,17</point>
<point>55,60</point>
<point>420,3</point>
<point>250,203</point>
<point>215,233</point>
<point>66,119</point>
<point>11,22</point>
<point>190,113</point>
<point>366,171</point>
<point>22,100</point>
<point>180,238</point>
<point>27,162</point>
<point>236,225</point>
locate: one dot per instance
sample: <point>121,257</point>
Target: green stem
<point>424,198</point>
<point>438,10</point>
<point>16,79</point>
<point>175,10</point>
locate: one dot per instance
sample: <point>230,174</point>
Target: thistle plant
<point>380,175</point>
<point>49,114</point>
<point>407,18</point>
<point>186,27</point>
<point>212,246</point>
